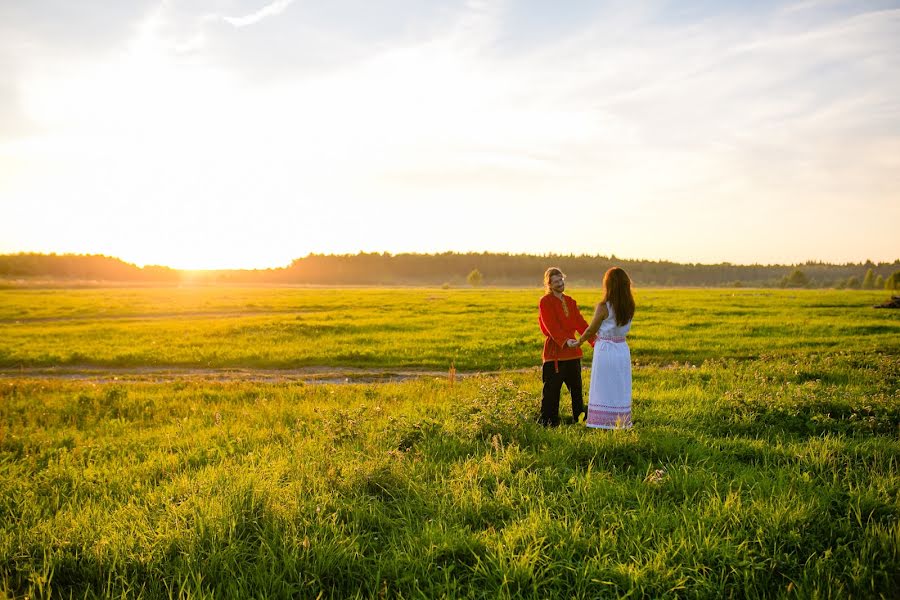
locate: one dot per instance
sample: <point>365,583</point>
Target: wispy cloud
<point>270,10</point>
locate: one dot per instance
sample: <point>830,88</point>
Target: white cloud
<point>275,8</point>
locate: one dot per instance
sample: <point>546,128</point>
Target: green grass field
<point>764,461</point>
<point>488,329</point>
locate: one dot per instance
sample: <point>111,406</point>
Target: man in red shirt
<point>560,318</point>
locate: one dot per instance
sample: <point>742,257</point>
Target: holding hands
<point>571,343</point>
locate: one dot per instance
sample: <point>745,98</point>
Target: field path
<point>169,374</point>
<point>153,316</point>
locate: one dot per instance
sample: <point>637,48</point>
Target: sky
<point>247,133</point>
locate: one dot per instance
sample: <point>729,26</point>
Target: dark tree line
<point>83,267</point>
<point>451,268</point>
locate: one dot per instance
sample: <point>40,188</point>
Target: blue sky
<point>243,133</point>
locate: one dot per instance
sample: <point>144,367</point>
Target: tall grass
<point>771,477</point>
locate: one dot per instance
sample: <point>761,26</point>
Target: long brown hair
<point>550,273</point>
<point>617,290</point>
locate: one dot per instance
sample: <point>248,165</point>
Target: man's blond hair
<point>551,272</point>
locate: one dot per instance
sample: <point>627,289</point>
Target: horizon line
<point>807,262</point>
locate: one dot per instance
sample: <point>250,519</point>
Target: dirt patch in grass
<point>162,375</point>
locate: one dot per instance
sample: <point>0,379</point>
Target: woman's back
<point>609,328</point>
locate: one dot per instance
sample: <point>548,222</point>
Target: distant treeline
<point>81,267</point>
<point>456,269</point>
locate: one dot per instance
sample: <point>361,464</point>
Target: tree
<point>869,280</point>
<point>796,279</point>
<point>853,282</point>
<point>879,282</point>
<point>475,278</point>
<point>893,282</point>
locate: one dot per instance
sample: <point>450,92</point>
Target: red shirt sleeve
<point>582,324</point>
<point>550,325</point>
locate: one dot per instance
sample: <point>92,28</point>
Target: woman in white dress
<point>609,399</point>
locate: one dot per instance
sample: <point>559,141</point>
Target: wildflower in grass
<point>656,477</point>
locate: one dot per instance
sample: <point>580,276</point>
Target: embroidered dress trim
<point>609,419</point>
<point>616,339</point>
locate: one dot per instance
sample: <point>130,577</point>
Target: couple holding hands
<point>609,397</point>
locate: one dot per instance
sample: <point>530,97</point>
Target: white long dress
<point>609,400</point>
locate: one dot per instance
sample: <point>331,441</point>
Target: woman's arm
<point>599,314</point>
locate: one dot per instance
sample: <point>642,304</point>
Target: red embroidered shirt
<point>558,326</point>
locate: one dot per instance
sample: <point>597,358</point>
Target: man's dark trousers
<point>568,372</point>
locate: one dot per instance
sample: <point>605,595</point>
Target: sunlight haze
<point>244,134</point>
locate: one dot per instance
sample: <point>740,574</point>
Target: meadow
<point>763,462</point>
<point>472,330</point>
